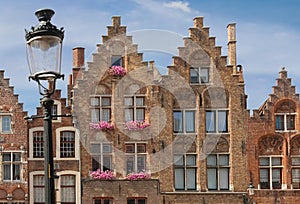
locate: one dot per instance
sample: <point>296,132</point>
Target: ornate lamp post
<point>44,50</point>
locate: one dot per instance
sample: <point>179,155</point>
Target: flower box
<point>102,125</point>
<point>102,175</point>
<point>138,176</point>
<point>136,125</point>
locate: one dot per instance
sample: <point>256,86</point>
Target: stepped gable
<point>281,91</point>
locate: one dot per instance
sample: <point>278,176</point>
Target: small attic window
<point>116,60</point>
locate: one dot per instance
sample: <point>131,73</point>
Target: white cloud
<point>180,5</point>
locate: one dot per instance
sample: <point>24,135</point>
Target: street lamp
<point>44,50</point>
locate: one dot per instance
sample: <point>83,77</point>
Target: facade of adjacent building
<point>139,137</point>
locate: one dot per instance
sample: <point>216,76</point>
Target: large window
<point>199,75</point>
<point>38,144</point>
<point>270,172</point>
<point>136,201</point>
<point>103,201</point>
<point>285,122</point>
<point>100,108</point>
<point>67,144</point>
<point>11,163</point>
<point>218,171</point>
<point>67,187</point>
<point>185,172</point>
<point>296,172</point>
<point>134,108</point>
<point>135,157</point>
<point>38,189</point>
<point>102,156</point>
<point>5,121</point>
<point>216,121</point>
<point>184,121</point>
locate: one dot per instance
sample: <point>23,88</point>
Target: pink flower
<point>103,175</point>
<point>138,176</point>
<point>136,125</point>
<point>117,71</point>
<point>102,125</point>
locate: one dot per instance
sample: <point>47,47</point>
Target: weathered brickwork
<point>13,144</point>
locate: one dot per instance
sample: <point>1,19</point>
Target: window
<point>296,172</point>
<point>6,123</point>
<point>54,112</point>
<point>135,157</point>
<point>136,200</point>
<point>285,122</point>
<point>270,170</point>
<point>38,189</point>
<point>134,108</point>
<point>185,172</point>
<point>67,187</point>
<point>218,171</point>
<point>184,121</point>
<point>101,156</point>
<point>103,201</point>
<point>67,144</point>
<point>100,108</point>
<point>199,75</point>
<point>11,162</point>
<point>38,144</point>
<point>116,60</point>
<point>216,121</point>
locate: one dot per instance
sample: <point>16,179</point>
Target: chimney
<point>198,22</point>
<point>116,21</point>
<point>78,63</point>
<point>232,46</point>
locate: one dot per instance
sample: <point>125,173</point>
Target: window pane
<point>179,178</point>
<point>95,148</point>
<point>38,189</point>
<point>210,121</point>
<point>107,201</point>
<point>276,161</point>
<point>5,123</point>
<point>140,114</point>
<point>105,114</point>
<point>190,121</point>
<point>296,178</point>
<point>95,113</point>
<point>191,160</point>
<point>96,163</point>
<point>16,171</point>
<point>264,161</point>
<point>264,178</point>
<point>106,163</point>
<point>106,148</point>
<point>128,101</point>
<point>130,201</point>
<point>129,164</point>
<point>140,101</point>
<point>191,178</point>
<point>7,173</point>
<point>105,101</point>
<point>212,179</point>
<point>177,115</point>
<point>222,121</point>
<point>211,160</point>
<point>141,148</point>
<point>16,157</point>
<point>141,201</point>
<point>95,102</point>
<point>224,178</point>
<point>178,160</point>
<point>128,114</point>
<point>223,160</point>
<point>204,75</point>
<point>141,163</point>
<point>296,161</point>
<point>290,122</point>
<point>194,75</point>
<point>6,157</point>
<point>116,60</point>
<point>276,178</point>
<point>279,122</point>
<point>68,189</point>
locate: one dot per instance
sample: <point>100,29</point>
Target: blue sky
<point>268,35</point>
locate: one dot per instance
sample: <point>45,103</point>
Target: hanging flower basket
<point>103,175</point>
<point>138,176</point>
<point>118,71</point>
<point>136,125</point>
<point>102,125</point>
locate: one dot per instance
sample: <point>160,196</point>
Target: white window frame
<point>77,140</point>
<point>1,122</point>
<point>31,131</point>
<point>134,107</point>
<point>296,167</point>
<point>216,121</point>
<point>40,142</point>
<point>285,128</point>
<point>184,166</point>
<point>11,163</point>
<point>100,107</point>
<point>270,169</point>
<point>135,154</point>
<point>218,167</point>
<point>101,154</point>
<point>184,121</point>
<point>199,75</point>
